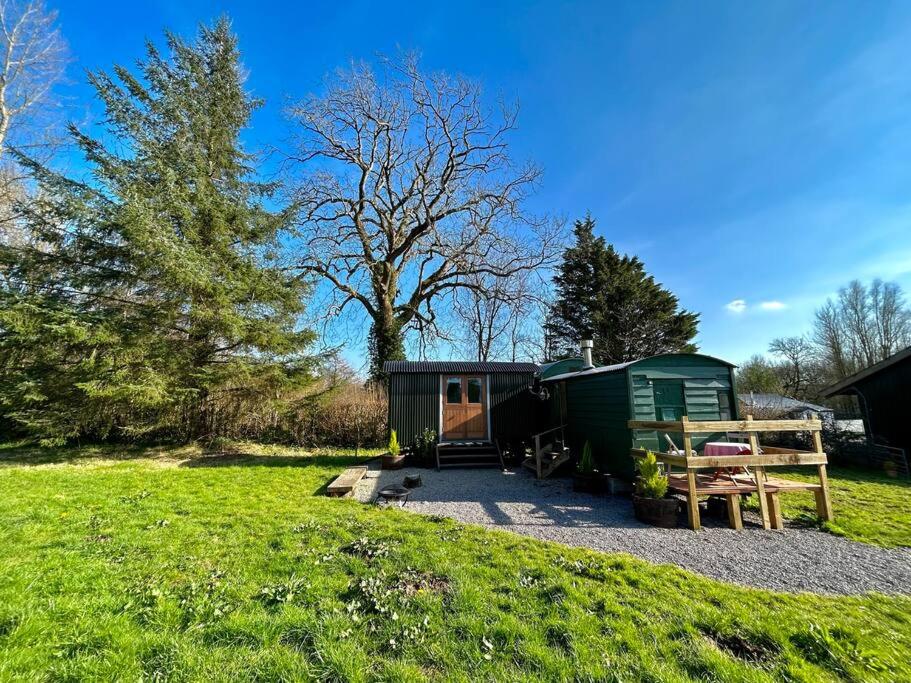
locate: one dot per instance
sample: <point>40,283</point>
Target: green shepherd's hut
<point>596,403</point>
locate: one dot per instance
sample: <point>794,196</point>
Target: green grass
<point>117,565</point>
<point>869,507</point>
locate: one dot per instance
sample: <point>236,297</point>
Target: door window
<point>454,390</point>
<point>474,389</point>
<point>724,405</point>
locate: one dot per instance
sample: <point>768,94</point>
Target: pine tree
<point>153,289</point>
<point>608,297</point>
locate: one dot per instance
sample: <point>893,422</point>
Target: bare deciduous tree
<point>409,193</point>
<point>500,317</point>
<point>799,368</point>
<point>863,326</point>
<point>33,58</point>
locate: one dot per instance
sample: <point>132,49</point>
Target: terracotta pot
<point>656,511</point>
<point>588,483</point>
<point>392,462</point>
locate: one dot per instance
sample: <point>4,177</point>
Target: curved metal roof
<point>621,366</point>
<point>461,367</point>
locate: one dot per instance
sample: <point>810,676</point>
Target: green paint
<point>600,404</point>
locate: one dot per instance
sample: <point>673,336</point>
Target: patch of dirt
<point>411,581</point>
<point>742,648</point>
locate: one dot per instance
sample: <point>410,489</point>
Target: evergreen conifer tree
<point>151,291</point>
<point>608,297</point>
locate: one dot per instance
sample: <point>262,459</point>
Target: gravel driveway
<point>797,559</point>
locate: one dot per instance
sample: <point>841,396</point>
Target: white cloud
<point>736,306</point>
<point>773,305</point>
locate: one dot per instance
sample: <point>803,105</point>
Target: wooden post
<point>687,439</point>
<point>692,502</point>
<point>538,455</point>
<point>759,476</point>
<point>823,502</point>
<point>734,517</point>
<point>775,510</point>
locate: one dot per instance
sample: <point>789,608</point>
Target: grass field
<point>869,507</point>
<point>237,568</point>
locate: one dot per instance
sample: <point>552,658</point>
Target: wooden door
<point>464,400</point>
<point>670,406</point>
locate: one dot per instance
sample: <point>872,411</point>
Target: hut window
<point>474,389</point>
<point>454,390</point>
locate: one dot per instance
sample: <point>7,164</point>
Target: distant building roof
<point>462,367</point>
<point>779,402</point>
<point>848,382</point>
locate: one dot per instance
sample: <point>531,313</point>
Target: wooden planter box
<point>589,483</point>
<point>656,511</point>
<point>392,462</point>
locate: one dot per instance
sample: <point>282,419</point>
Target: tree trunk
<point>386,342</point>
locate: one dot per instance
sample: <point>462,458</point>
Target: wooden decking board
<point>344,484</point>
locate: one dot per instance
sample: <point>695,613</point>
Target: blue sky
<point>747,152</point>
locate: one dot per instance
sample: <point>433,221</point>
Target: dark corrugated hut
<point>596,404</point>
<point>882,395</point>
<point>462,401</point>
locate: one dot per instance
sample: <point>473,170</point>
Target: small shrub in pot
<point>586,478</point>
<point>424,448</point>
<point>649,502</point>
<point>394,459</point>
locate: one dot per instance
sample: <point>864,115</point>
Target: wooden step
<point>344,484</point>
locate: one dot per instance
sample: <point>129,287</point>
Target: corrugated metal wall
<point>414,405</point>
<point>514,412</point>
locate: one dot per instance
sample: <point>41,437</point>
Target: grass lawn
<point>869,507</point>
<point>239,568</point>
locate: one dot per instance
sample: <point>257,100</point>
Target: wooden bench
<point>344,484</point>
<point>731,488</point>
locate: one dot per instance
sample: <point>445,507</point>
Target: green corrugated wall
<point>514,413</point>
<point>600,405</point>
<point>414,404</point>
<point>597,411</point>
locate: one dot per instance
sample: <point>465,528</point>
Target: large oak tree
<point>409,192</point>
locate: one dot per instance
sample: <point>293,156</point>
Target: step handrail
<point>538,449</point>
<point>548,431</point>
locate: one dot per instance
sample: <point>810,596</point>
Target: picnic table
<point>692,484</point>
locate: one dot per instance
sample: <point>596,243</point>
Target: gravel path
<point>797,559</point>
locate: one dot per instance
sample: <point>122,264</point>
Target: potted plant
<point>425,443</point>
<point>586,478</point>
<point>649,504</point>
<point>393,459</point>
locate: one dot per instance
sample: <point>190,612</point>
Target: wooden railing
<point>535,463</point>
<point>757,460</point>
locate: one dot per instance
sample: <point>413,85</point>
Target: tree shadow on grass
<point>31,454</point>
<point>179,455</point>
<point>249,460</point>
